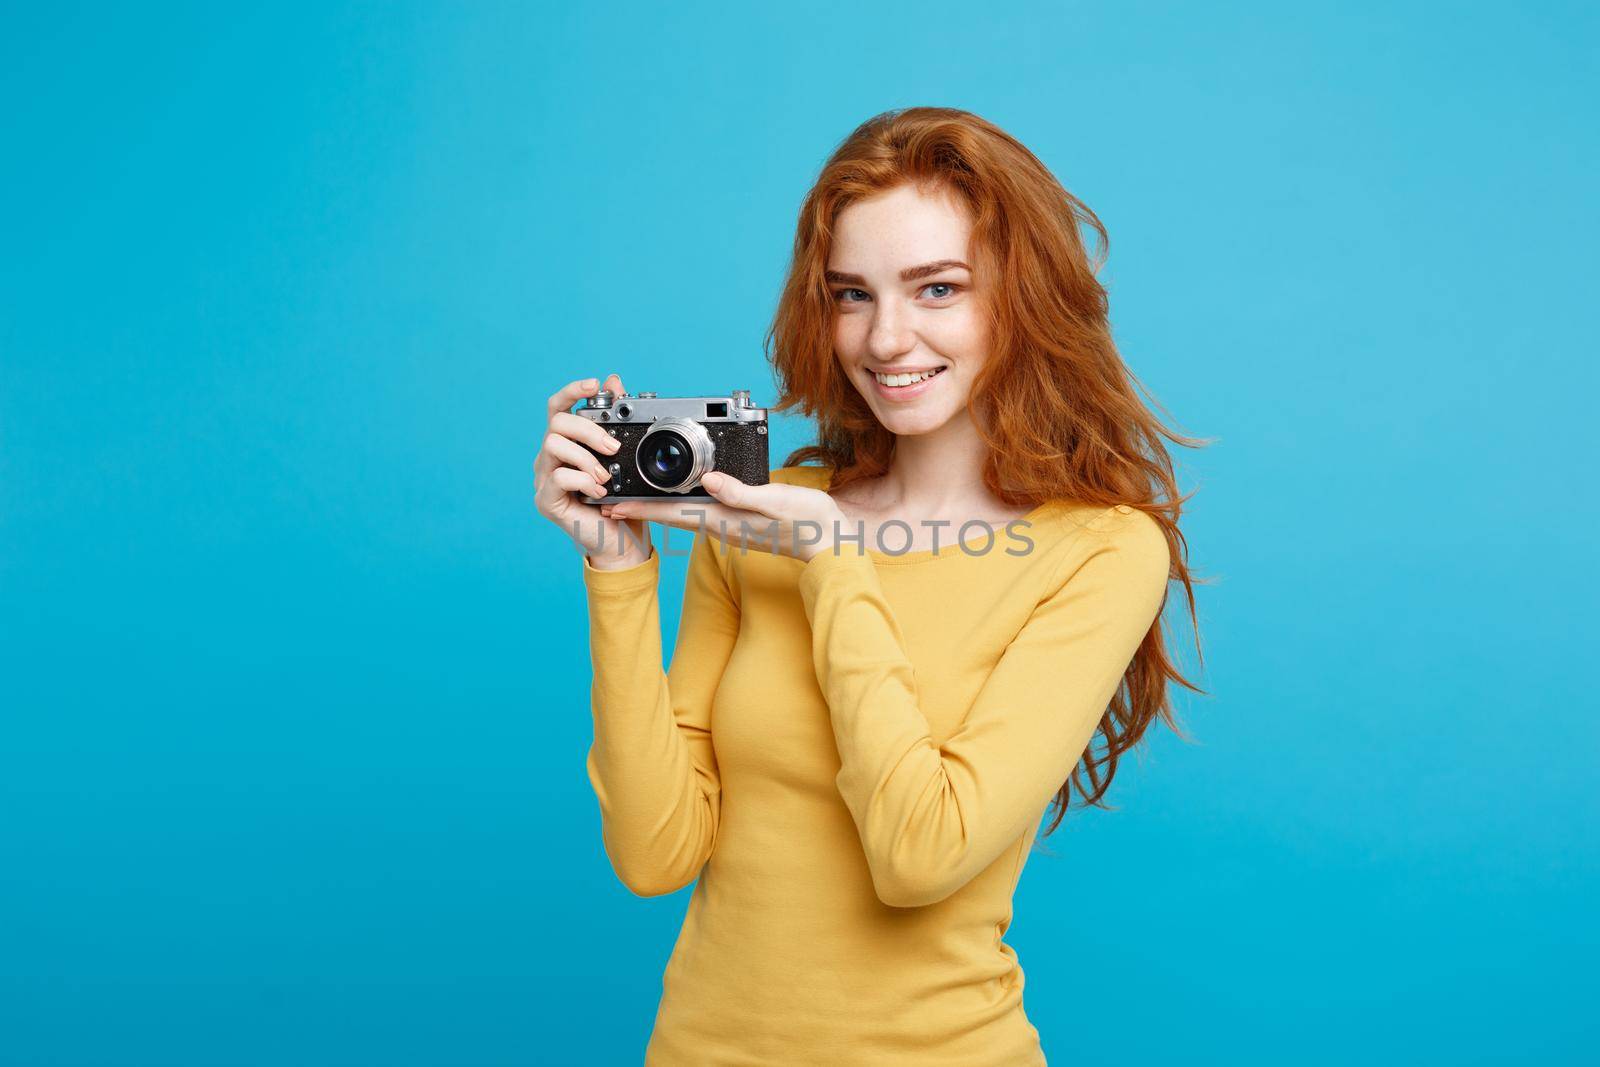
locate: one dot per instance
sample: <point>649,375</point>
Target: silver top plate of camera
<point>604,407</point>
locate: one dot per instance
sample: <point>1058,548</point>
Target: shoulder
<point>1122,544</point>
<point>1066,521</point>
<point>1130,529</point>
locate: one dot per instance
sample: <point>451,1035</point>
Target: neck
<point>937,472</point>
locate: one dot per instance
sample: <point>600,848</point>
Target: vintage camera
<point>670,442</point>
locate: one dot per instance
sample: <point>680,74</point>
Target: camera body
<point>670,442</point>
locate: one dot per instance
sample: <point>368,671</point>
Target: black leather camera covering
<point>741,451</point>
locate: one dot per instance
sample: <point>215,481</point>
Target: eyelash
<point>839,293</point>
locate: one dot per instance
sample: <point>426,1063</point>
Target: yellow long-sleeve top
<point>853,755</point>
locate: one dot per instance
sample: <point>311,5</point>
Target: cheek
<point>962,338</point>
<point>847,333</point>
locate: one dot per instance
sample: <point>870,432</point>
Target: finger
<point>640,528</point>
<point>544,490</point>
<point>684,514</point>
<point>570,394</point>
<point>731,491</point>
<point>570,479</point>
<point>614,383</point>
<point>732,525</point>
<point>572,454</point>
<point>585,432</point>
<point>548,463</point>
<point>665,512</point>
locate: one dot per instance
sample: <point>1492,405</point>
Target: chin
<point>913,423</point>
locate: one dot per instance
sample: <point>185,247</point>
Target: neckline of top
<point>824,479</point>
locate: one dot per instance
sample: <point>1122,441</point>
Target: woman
<point>869,708</point>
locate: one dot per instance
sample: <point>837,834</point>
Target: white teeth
<point>905,379</point>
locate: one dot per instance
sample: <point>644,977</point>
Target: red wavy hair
<point>1054,401</point>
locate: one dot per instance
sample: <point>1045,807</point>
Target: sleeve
<point>651,764</point>
<point>931,817</point>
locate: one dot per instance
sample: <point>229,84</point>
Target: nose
<point>891,333</point>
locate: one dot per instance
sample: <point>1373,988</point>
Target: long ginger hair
<point>1054,401</point>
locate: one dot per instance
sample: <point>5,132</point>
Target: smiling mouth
<point>893,381</point>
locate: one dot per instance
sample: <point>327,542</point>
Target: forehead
<point>902,227</point>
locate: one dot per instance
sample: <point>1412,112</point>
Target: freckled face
<point>891,323</point>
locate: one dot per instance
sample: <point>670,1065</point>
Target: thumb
<point>731,491</point>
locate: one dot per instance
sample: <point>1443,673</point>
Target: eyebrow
<point>910,274</point>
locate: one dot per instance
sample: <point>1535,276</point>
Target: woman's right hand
<point>563,467</point>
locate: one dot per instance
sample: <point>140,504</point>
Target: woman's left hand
<point>786,520</point>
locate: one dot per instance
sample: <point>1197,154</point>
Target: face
<point>906,304</point>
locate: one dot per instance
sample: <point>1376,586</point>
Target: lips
<point>901,393</point>
<point>903,377</point>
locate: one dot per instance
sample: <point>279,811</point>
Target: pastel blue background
<point>295,680</point>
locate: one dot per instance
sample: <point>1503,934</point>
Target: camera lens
<point>674,454</point>
<point>667,459</point>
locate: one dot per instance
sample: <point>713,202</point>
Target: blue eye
<point>839,294</point>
